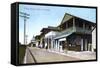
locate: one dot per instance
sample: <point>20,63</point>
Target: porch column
<point>45,43</point>
<point>83,27</point>
<point>58,45</point>
<point>54,44</point>
<point>73,22</point>
<point>48,42</point>
<point>41,45</point>
<point>86,45</point>
<point>81,44</point>
<point>51,44</point>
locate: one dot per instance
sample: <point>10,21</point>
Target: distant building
<point>37,39</point>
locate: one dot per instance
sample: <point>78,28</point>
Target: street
<point>36,55</point>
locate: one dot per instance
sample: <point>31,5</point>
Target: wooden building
<point>74,33</point>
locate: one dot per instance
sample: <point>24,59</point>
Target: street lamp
<point>25,16</point>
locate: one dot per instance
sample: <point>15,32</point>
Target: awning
<point>63,36</point>
<point>62,39</point>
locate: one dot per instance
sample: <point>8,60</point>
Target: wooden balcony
<point>82,31</point>
<point>71,30</point>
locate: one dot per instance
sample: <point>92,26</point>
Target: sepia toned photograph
<point>51,34</point>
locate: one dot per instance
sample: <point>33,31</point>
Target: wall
<point>94,39</point>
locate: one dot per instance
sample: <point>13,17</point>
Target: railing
<point>81,30</point>
<point>73,29</point>
<point>66,31</point>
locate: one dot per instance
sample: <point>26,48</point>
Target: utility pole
<point>26,36</point>
<point>25,16</point>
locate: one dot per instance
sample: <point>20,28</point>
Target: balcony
<point>82,31</point>
<point>71,30</point>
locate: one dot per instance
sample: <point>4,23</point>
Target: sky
<point>44,16</point>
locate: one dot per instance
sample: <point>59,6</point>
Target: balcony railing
<point>66,31</point>
<point>83,31</point>
<point>72,30</point>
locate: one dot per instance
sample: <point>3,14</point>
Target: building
<point>37,39</point>
<point>48,35</point>
<point>73,34</point>
<point>32,42</point>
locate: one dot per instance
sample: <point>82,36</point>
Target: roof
<point>49,28</point>
<point>69,16</point>
<point>66,18</point>
<point>53,28</point>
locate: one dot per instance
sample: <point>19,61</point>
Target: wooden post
<point>48,43</point>
<point>82,44</point>
<point>58,45</point>
<point>84,27</point>
<point>73,22</point>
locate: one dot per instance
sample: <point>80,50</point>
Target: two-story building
<point>74,33</point>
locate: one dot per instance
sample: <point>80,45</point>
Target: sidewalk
<point>83,55</point>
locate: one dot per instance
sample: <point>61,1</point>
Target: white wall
<point>50,35</point>
<point>94,39</point>
<point>5,34</point>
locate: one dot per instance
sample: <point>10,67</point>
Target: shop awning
<point>62,39</point>
<point>63,36</point>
